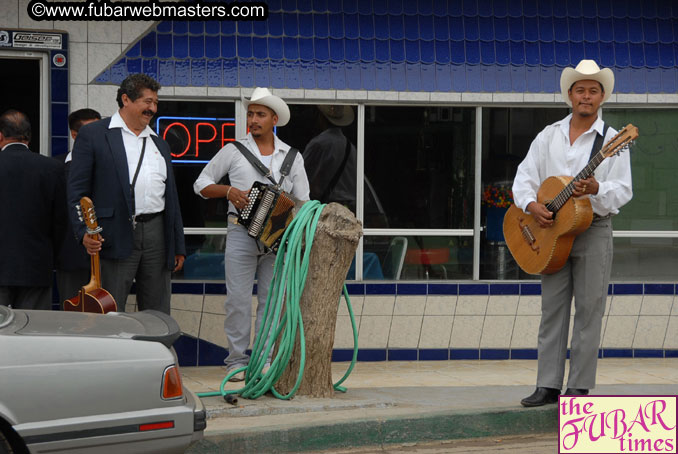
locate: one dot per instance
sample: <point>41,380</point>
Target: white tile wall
<point>497,331</point>
<point>100,56</point>
<point>378,305</point>
<point>78,65</point>
<point>502,305</point>
<point>9,14</point>
<point>77,30</point>
<point>104,32</point>
<point>525,331</point>
<point>405,331</point>
<point>187,302</point>
<point>212,329</point>
<point>466,331</point>
<point>656,305</point>
<point>471,304</point>
<point>440,305</point>
<point>374,331</point>
<point>436,331</point>
<point>619,331</point>
<point>356,304</point>
<point>26,22</point>
<point>343,333</point>
<point>78,97</point>
<point>650,331</point>
<point>189,321</point>
<point>410,305</point>
<point>671,340</point>
<point>102,99</point>
<point>529,305</point>
<point>626,305</point>
<point>214,304</point>
<point>190,91</point>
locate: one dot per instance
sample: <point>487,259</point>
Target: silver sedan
<point>78,382</point>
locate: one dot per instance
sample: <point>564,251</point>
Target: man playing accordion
<point>245,256</point>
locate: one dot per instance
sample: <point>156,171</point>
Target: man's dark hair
<point>76,118</point>
<point>133,85</point>
<point>15,125</point>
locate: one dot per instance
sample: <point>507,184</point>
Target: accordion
<point>267,214</point>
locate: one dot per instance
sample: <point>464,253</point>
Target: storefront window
<point>407,257</point>
<point>654,165</point>
<point>195,131</point>
<point>420,164</point>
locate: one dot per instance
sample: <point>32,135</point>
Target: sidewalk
<point>405,402</point>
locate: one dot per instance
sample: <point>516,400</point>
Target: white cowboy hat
<point>338,115</point>
<point>586,70</point>
<point>264,97</point>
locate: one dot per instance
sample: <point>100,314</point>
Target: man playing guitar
<point>564,148</point>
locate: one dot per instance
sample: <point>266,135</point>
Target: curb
<point>382,431</point>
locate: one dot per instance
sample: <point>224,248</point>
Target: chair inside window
<point>395,257</point>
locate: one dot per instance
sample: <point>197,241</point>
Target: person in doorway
<point>73,264</point>
<point>33,216</point>
<point>126,169</point>
<point>564,148</point>
<point>244,256</point>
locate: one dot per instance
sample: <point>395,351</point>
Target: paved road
<point>522,444</point>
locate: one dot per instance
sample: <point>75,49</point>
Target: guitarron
<point>91,297</point>
<point>540,250</point>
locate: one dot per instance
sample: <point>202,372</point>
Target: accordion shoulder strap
<point>284,169</point>
<point>254,161</point>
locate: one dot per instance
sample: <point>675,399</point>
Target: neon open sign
<point>195,139</point>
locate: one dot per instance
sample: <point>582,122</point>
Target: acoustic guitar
<point>540,250</point>
<point>91,297</point>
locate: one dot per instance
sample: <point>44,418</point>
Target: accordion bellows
<point>267,214</point>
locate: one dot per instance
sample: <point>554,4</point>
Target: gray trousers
<point>20,297</point>
<point>585,276</point>
<point>146,264</point>
<point>242,260</point>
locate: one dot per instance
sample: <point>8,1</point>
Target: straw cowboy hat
<point>264,97</point>
<point>338,115</point>
<point>586,70</point>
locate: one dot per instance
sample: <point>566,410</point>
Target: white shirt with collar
<point>229,160</point>
<point>149,191</point>
<point>552,155</point>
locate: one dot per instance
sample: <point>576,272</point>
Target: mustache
<point>150,113</point>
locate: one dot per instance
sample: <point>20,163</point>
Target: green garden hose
<point>281,326</point>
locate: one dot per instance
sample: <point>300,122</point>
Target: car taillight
<point>171,383</point>
<point>156,426</point>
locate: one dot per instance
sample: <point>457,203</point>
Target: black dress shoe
<point>541,396</point>
<point>576,392</point>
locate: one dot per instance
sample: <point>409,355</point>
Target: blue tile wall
<point>440,46</point>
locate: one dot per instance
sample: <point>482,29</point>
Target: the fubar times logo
<point>617,424</point>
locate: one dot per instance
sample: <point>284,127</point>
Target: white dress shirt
<point>552,155</point>
<point>229,160</point>
<point>149,191</point>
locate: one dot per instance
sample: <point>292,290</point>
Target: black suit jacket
<point>33,216</point>
<point>73,255</point>
<point>99,170</point>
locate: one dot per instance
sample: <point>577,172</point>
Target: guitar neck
<point>564,195</point>
<point>95,270</point>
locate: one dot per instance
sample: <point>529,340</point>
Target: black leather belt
<point>145,217</point>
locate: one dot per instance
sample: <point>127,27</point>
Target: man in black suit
<point>125,168</point>
<point>32,216</point>
<point>73,263</point>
